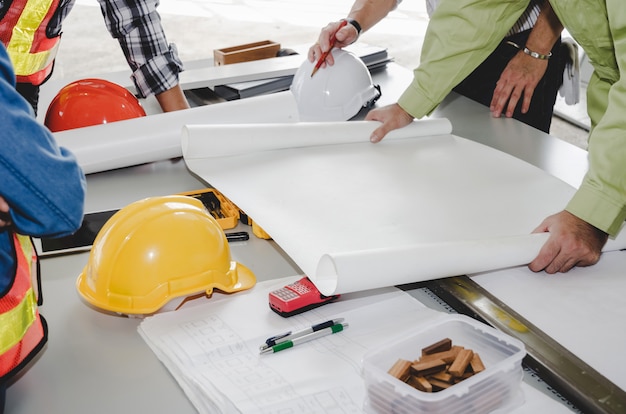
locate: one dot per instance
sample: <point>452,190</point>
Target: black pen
<point>290,343</point>
<point>288,336</point>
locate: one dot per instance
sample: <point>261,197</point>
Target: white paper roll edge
<point>370,269</point>
<point>212,141</point>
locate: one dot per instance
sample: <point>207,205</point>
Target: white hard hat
<point>335,93</point>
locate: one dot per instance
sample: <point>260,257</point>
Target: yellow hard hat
<point>157,249</point>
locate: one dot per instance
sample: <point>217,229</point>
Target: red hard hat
<point>89,102</point>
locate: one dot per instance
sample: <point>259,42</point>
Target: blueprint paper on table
<point>212,349</point>
<point>422,204</point>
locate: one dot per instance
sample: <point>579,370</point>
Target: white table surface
<point>97,363</point>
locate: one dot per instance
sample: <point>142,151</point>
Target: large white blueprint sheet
<point>422,204</point>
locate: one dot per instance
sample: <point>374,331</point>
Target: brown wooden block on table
<point>439,385</point>
<point>422,369</point>
<point>447,356</point>
<point>420,383</point>
<point>401,370</point>
<point>461,362</point>
<point>440,346</point>
<point>442,376</point>
<point>440,366</point>
<point>477,364</point>
<point>463,377</point>
<point>246,53</point>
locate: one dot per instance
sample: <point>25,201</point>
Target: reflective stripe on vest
<point>21,330</point>
<point>31,52</point>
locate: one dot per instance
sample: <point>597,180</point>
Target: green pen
<point>306,338</point>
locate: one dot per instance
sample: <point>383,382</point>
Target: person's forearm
<point>601,197</point>
<point>172,99</point>
<point>370,12</point>
<point>546,31</point>
<point>445,61</point>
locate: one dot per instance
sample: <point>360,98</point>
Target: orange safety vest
<point>23,31</point>
<point>23,332</point>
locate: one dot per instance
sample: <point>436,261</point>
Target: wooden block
<point>477,364</point>
<point>422,369</point>
<point>463,377</point>
<point>447,356</point>
<point>246,53</point>
<point>401,370</point>
<point>461,362</point>
<point>442,376</point>
<point>441,346</point>
<point>439,385</point>
<point>420,383</point>
<point>440,366</point>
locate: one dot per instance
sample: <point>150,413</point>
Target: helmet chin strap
<point>177,303</point>
<point>372,101</point>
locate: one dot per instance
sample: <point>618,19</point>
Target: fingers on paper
<point>572,242</point>
<point>391,116</point>
<point>558,256</point>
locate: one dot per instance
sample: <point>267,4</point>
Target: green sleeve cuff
<point>415,102</point>
<point>596,209</point>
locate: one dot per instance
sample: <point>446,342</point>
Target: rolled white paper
<point>207,141</point>
<point>157,137</point>
<point>417,263</point>
<point>420,205</point>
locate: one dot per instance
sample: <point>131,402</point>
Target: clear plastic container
<point>496,389</point>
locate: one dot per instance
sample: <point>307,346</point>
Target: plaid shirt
<point>137,26</point>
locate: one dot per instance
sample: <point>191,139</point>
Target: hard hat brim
<point>245,280</point>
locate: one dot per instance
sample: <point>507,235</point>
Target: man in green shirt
<point>461,34</point>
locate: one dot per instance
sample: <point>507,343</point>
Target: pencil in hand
<point>322,58</point>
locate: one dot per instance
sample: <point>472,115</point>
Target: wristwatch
<point>355,24</point>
